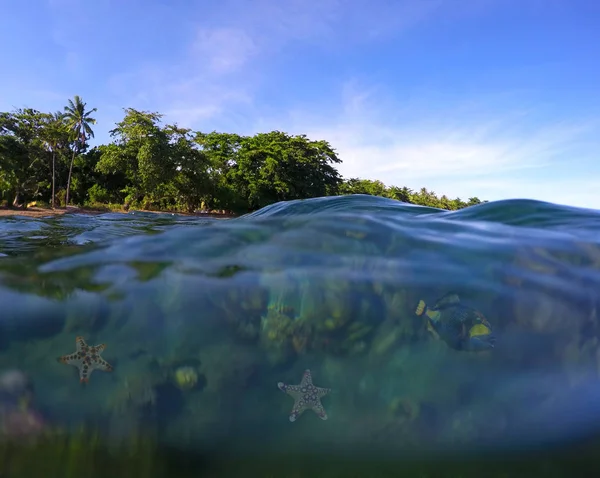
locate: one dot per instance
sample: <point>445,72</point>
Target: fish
<point>461,327</point>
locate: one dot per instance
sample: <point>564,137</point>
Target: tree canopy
<point>45,157</point>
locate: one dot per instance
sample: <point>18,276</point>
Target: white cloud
<point>194,99</point>
<point>224,50</point>
<point>336,22</point>
<point>446,149</point>
<point>222,69</point>
<point>480,148</point>
<point>579,192</point>
<point>274,23</point>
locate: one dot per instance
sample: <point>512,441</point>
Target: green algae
<point>85,453</point>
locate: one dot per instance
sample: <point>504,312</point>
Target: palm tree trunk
<point>69,179</point>
<point>53,170</point>
<point>17,198</point>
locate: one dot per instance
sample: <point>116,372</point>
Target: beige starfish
<point>86,359</point>
<point>306,397</point>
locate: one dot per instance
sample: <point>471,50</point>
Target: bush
<point>60,198</point>
<point>98,194</point>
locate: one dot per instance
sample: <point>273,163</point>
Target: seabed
<point>87,455</point>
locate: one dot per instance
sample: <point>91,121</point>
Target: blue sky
<point>490,98</point>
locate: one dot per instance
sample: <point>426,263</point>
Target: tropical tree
<point>192,185</point>
<point>275,166</point>
<point>222,153</point>
<point>403,194</point>
<point>22,153</point>
<point>55,137</point>
<point>78,121</point>
<point>147,164</point>
<point>141,150</point>
<point>363,186</point>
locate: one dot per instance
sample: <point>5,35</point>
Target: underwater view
<point>339,336</point>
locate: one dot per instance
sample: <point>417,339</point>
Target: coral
<point>242,310</point>
<point>354,342</point>
<point>276,335</point>
<point>334,321</point>
<point>387,335</point>
<point>186,378</point>
<point>357,331</point>
<point>404,409</point>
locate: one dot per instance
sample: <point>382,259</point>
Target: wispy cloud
<point>187,99</point>
<point>224,50</point>
<point>222,67</point>
<point>273,23</point>
<point>574,191</point>
<point>336,21</point>
<point>477,149</point>
<point>446,149</point>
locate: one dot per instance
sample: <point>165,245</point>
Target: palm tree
<point>78,121</point>
<point>54,139</point>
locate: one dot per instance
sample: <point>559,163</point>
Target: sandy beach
<point>46,212</point>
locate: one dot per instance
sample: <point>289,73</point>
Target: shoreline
<point>38,212</point>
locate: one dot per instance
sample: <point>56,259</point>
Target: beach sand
<point>47,212</point>
<point>44,212</point>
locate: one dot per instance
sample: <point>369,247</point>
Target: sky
<point>496,99</point>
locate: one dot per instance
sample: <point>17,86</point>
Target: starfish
<point>86,359</point>
<point>306,397</point>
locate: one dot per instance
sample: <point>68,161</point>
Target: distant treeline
<point>45,157</point>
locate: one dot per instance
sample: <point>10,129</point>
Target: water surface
<point>329,285</point>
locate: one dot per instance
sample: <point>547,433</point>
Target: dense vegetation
<point>45,157</point>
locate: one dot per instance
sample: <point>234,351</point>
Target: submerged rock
<point>17,419</point>
<point>15,383</point>
<point>21,424</point>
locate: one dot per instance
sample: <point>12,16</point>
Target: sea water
<point>203,317</point>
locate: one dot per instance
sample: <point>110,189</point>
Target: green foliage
<point>140,151</point>
<point>422,197</point>
<point>78,122</point>
<point>277,167</point>
<point>22,154</point>
<point>55,136</point>
<point>149,165</point>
